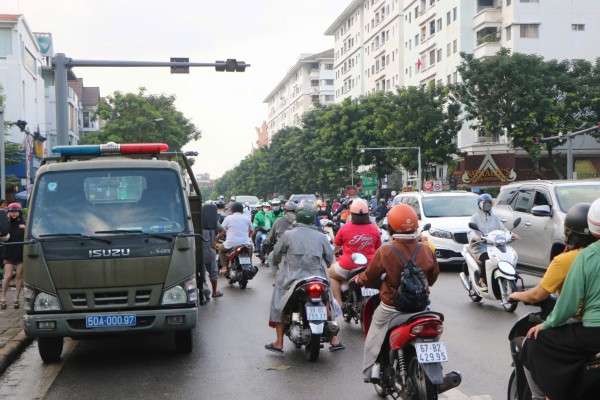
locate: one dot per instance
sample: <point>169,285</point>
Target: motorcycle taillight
<point>430,328</point>
<point>314,289</point>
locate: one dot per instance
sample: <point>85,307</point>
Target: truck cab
<point>109,247</point>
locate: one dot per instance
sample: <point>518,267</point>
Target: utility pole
<point>2,166</point>
<point>61,64</point>
<point>569,136</point>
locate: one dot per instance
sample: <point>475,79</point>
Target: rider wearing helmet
<point>275,213</point>
<point>13,255</point>
<point>323,213</point>
<point>486,222</point>
<point>238,229</point>
<point>300,252</point>
<point>260,225</point>
<point>357,236</point>
<point>380,211</point>
<point>403,223</point>
<point>221,211</point>
<point>556,351</point>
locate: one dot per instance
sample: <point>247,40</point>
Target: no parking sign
<point>437,186</point>
<point>427,186</point>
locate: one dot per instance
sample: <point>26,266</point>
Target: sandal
<point>336,347</point>
<point>217,294</point>
<point>272,348</point>
<point>3,304</point>
<point>16,304</point>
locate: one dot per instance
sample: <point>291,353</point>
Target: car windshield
<point>572,194</point>
<point>93,201</point>
<point>449,206</point>
<point>249,199</point>
<point>297,198</point>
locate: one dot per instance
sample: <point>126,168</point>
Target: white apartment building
<point>309,81</point>
<point>367,48</point>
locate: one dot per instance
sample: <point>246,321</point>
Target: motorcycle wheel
<point>243,283</point>
<point>357,307</point>
<point>506,288</point>
<point>475,298</point>
<point>513,389</point>
<point>313,347</point>
<point>420,386</point>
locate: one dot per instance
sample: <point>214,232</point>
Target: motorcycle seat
<point>406,318</point>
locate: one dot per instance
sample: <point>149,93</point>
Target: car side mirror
<point>542,211</point>
<point>427,226</point>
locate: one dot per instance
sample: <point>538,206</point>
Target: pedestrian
<point>211,227</point>
<point>4,231</point>
<point>13,254</point>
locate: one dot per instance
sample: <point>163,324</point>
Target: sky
<point>269,35</point>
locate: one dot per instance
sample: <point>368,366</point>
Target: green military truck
<point>110,246</point>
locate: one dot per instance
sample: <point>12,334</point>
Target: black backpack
<point>412,292</point>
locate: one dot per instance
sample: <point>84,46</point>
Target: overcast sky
<point>226,107</point>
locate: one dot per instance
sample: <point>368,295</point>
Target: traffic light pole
<point>61,64</point>
<point>569,136</point>
<point>2,167</point>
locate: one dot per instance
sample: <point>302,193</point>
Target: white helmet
<point>593,218</point>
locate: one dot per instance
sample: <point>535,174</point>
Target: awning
<point>22,195</point>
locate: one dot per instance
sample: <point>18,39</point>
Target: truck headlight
<point>185,292</point>
<point>46,302</point>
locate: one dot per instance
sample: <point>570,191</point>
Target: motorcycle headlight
<point>185,292</point>
<point>46,302</point>
<point>440,233</point>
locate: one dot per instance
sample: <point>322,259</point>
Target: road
<point>229,361</point>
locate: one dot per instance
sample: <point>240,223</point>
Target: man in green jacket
<point>260,225</point>
<point>275,213</point>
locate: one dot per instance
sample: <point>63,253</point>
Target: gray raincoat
<point>300,252</point>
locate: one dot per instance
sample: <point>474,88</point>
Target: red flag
<point>419,63</point>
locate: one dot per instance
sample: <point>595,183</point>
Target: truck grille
<point>121,298</point>
<point>461,238</point>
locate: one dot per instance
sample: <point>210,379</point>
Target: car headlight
<point>46,302</point>
<point>440,233</point>
<point>185,292</point>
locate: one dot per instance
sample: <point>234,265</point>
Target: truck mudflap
<point>125,322</point>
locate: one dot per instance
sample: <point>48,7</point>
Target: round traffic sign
<point>427,185</point>
<point>437,186</point>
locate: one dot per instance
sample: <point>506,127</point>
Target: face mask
<point>323,208</point>
<point>487,207</point>
<point>265,209</point>
<point>275,208</point>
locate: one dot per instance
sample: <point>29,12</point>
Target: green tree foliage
<point>524,97</point>
<point>141,117</point>
<point>12,151</point>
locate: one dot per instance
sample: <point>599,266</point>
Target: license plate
<point>368,292</point>
<point>109,321</point>
<point>316,313</point>
<point>431,352</point>
<point>245,260</point>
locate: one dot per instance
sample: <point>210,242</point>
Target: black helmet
<point>237,207</point>
<point>576,219</point>
<point>220,204</point>
<point>306,212</point>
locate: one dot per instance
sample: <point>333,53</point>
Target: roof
<point>9,17</point>
<point>89,96</point>
<point>343,17</point>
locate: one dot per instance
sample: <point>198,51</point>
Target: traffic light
<point>21,125</point>
<point>37,136</point>
<point>180,69</point>
<point>231,65</point>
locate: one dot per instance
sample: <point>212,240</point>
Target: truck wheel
<point>50,348</point>
<point>183,341</point>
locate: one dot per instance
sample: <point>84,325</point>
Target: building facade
<point>309,81</point>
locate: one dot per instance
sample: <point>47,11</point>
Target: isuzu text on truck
<point>110,246</point>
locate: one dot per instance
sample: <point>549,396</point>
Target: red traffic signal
<point>536,139</point>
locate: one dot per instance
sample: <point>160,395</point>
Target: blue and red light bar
<point>111,148</point>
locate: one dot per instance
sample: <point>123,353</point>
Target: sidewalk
<point>12,337</point>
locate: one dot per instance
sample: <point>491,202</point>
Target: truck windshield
<point>91,201</point>
<point>569,195</point>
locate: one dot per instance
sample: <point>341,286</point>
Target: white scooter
<point>499,269</point>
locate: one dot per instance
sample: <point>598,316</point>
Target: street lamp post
<point>351,172</point>
<point>418,148</point>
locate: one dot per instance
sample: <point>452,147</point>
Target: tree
<point>12,152</point>
<point>522,96</point>
<point>141,117</point>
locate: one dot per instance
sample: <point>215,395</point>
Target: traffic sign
<point>437,186</point>
<point>427,185</point>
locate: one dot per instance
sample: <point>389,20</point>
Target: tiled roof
<point>319,56</point>
<point>9,17</point>
<point>91,96</point>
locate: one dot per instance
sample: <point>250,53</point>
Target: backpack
<point>412,292</point>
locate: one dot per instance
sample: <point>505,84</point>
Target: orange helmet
<point>402,218</point>
<point>322,204</point>
<point>359,206</point>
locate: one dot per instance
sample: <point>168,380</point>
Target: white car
<point>449,214</point>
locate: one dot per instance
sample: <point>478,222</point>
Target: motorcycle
<point>308,323</point>
<point>328,226</point>
<point>239,267</point>
<point>409,364</point>
<point>500,269</point>
<point>353,296</point>
<point>587,385</point>
<point>260,248</point>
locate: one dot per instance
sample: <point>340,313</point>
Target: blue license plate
<point>109,321</point>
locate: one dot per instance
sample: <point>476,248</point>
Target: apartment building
<point>308,82</point>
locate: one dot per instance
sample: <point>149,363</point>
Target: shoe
<point>206,296</point>
<point>272,348</point>
<point>16,305</point>
<point>336,347</point>
<point>3,304</point>
<point>483,286</point>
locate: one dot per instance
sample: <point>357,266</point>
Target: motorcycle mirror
<point>384,227</point>
<point>426,227</point>
<point>359,259</point>
<point>473,226</point>
<point>516,222</point>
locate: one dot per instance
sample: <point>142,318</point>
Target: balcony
<point>487,49</point>
<point>487,17</point>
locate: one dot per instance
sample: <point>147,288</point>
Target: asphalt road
<point>229,360</point>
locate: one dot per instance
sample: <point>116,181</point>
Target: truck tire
<point>50,348</point>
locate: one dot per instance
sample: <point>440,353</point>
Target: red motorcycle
<point>409,364</point>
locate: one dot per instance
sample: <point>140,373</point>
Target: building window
<point>329,82</point>
<point>448,50</point>
<point>454,46</point>
<point>455,77</point>
<point>30,61</point>
<point>439,24</point>
<point>530,31</point>
<point>530,1</point>
<point>432,28</point>
<point>432,57</point>
<point>578,27</point>
<point>314,82</point>
<point>509,33</point>
<point>448,18</point>
<point>454,13</point>
<point>5,42</point>
<point>508,3</point>
<point>329,66</point>
<point>439,55</point>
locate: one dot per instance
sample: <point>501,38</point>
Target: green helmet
<point>306,212</point>
<point>237,207</point>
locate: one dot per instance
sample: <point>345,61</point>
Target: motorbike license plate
<point>109,321</point>
<point>431,352</point>
<point>316,313</point>
<point>245,260</point>
<point>368,292</point>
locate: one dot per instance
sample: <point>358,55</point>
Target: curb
<point>12,349</point>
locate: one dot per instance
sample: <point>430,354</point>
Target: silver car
<point>542,206</point>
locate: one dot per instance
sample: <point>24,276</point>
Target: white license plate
<point>431,352</point>
<point>109,321</point>
<point>316,313</point>
<point>245,260</point>
<point>368,292</point>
